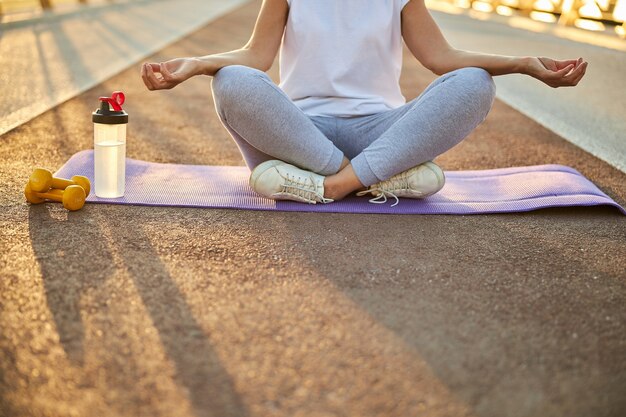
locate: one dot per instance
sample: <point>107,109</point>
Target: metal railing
<point>581,13</point>
<point>586,14</point>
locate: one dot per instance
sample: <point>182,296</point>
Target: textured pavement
<point>139,311</point>
<point>51,59</point>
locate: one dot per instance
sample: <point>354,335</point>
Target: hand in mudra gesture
<point>168,74</point>
<point>557,73</point>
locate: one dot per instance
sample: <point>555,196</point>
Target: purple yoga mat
<point>466,192</point>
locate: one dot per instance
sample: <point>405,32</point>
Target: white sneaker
<point>418,182</point>
<point>279,180</point>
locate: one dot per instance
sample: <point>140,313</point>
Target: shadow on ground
<point>78,252</point>
<point>544,328</point>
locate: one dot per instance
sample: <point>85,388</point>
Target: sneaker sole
<point>260,169</point>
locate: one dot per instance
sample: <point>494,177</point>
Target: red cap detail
<point>116,100</point>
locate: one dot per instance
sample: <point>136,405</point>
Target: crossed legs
<point>266,125</point>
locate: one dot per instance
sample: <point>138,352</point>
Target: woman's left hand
<point>564,73</point>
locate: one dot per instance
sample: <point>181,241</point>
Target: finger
<point>155,67</point>
<point>578,63</point>
<point>573,78</point>
<point>156,83</point>
<point>576,80</point>
<point>582,73</point>
<point>560,73</point>
<point>557,76</point>
<point>167,75</point>
<point>144,77</point>
<point>563,64</point>
<point>575,73</point>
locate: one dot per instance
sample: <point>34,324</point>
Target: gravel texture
<point>142,311</point>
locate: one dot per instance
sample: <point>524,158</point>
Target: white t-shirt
<point>343,57</point>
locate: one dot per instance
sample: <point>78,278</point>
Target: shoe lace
<point>397,182</point>
<point>303,187</point>
<point>381,198</point>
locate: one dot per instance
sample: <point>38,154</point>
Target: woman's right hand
<point>168,74</point>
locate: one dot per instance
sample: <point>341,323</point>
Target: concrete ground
<point>143,311</point>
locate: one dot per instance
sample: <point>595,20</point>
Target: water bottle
<point>109,135</point>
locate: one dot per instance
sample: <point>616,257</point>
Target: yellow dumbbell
<point>41,180</point>
<point>73,197</point>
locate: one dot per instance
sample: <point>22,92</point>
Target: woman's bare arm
<point>259,52</point>
<point>263,45</point>
<point>426,42</point>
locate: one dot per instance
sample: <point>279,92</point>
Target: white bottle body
<point>109,160</point>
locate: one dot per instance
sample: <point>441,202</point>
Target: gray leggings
<point>266,124</point>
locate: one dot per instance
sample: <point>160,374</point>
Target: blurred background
<point>607,16</point>
<point>52,50</point>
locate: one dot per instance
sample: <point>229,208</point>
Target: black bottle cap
<point>104,115</point>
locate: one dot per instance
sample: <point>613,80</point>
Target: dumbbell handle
<point>73,197</point>
<point>61,183</point>
<point>52,194</point>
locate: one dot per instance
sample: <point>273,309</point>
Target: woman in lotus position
<point>337,122</point>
